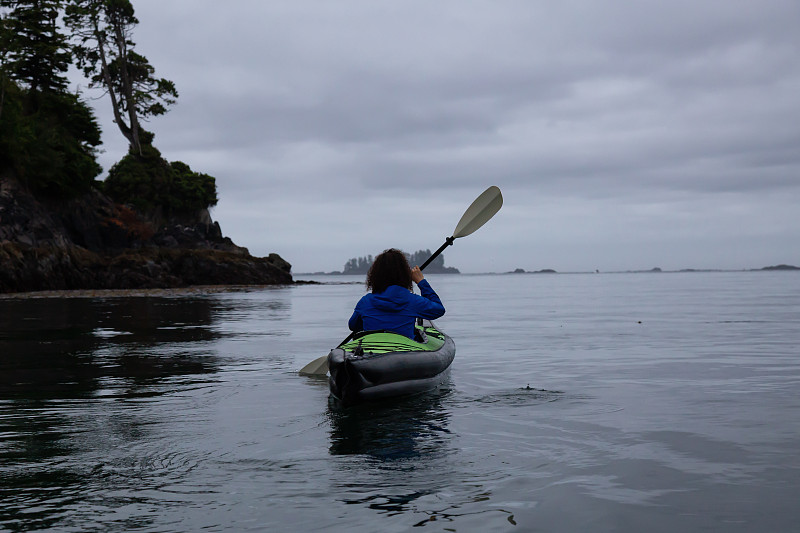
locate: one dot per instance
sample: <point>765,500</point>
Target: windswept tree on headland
<point>105,52</point>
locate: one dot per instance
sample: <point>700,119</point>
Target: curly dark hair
<point>389,268</point>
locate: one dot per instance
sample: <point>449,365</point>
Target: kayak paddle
<point>477,214</point>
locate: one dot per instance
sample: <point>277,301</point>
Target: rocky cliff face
<point>92,243</point>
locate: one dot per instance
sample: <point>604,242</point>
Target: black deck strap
<point>360,334</point>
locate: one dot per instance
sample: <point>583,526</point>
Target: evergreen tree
<point>358,265</point>
<point>47,135</point>
<point>105,53</point>
<point>36,53</point>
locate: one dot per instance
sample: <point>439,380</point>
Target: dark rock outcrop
<point>90,242</point>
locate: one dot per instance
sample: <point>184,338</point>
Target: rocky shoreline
<point>90,242</point>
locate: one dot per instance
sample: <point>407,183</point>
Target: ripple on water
<point>522,397</point>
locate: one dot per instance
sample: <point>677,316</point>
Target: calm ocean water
<point>577,402</point>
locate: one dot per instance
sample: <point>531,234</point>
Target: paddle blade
<point>482,209</point>
<point>317,367</point>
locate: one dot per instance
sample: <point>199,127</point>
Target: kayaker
<point>392,304</point>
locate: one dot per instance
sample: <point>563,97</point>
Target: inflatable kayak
<point>380,364</point>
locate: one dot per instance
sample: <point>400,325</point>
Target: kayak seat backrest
<point>389,341</point>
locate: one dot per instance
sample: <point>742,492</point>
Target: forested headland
<point>147,223</point>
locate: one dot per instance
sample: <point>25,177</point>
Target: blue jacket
<point>396,309</point>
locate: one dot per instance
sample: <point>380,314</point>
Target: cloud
<point>338,129</point>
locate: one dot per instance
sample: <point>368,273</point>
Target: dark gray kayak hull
<point>359,375</point>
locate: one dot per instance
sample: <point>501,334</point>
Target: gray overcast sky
<point>624,135</point>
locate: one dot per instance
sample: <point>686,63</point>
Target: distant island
<point>361,265</point>
<point>781,267</point>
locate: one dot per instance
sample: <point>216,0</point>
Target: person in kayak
<point>392,304</point>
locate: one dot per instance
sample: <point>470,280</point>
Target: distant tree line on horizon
<point>361,265</point>
<point>49,136</point>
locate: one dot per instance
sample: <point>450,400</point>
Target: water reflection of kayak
<point>381,364</point>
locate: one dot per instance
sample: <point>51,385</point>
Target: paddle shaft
<point>448,242</point>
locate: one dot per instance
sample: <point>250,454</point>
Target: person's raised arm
<point>429,305</point>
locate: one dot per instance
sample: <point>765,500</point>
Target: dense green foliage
<point>149,182</point>
<point>48,136</point>
<point>51,149</point>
